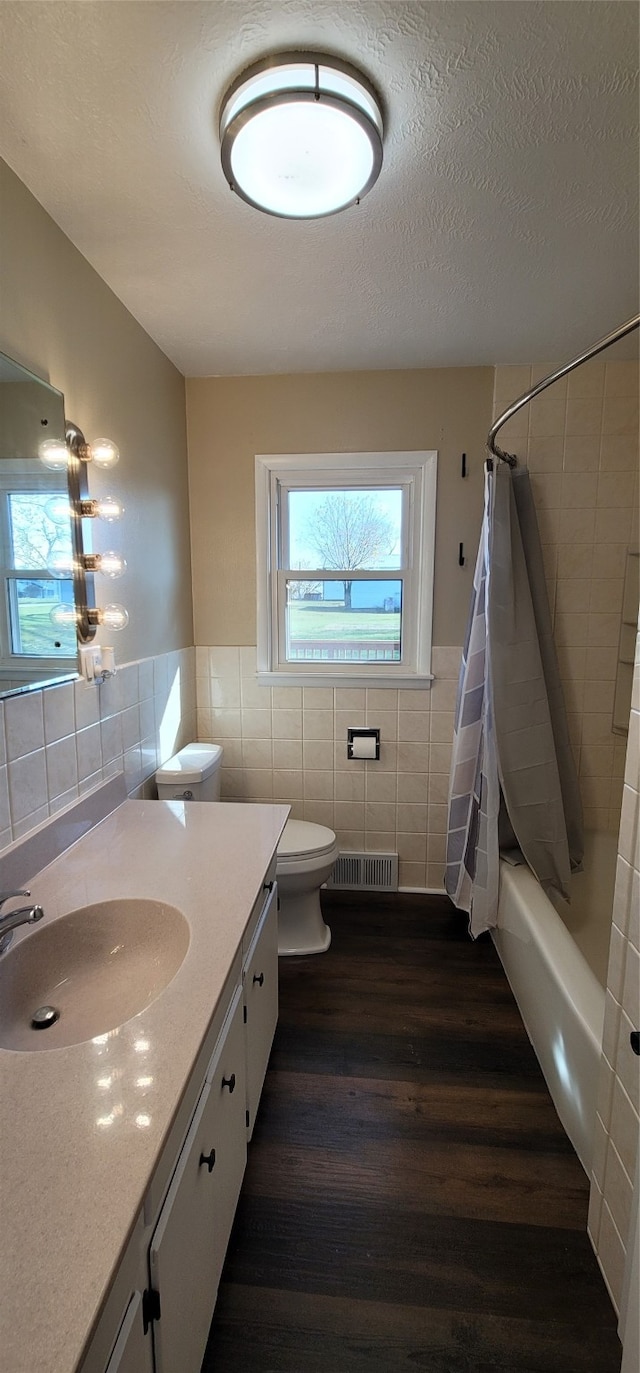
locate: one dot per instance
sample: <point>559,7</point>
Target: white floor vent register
<point>366,872</point>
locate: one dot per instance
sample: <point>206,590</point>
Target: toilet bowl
<point>306,852</point>
<point>306,856</point>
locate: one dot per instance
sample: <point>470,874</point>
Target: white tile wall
<point>579,440</point>
<point>290,744</point>
<point>618,1117</point>
<point>59,742</point>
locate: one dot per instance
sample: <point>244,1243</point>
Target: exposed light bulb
<point>111,564</point>
<point>58,509</point>
<point>62,565</point>
<point>54,454</point>
<point>114,616</point>
<point>63,615</point>
<point>104,453</point>
<point>109,508</point>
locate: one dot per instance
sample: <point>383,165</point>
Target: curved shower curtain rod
<point>619,333</point>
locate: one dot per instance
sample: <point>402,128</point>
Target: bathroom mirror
<point>35,532</point>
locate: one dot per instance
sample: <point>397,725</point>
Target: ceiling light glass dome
<point>301,136</point>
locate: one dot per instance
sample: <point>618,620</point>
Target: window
<point>35,531</point>
<point>345,567</point>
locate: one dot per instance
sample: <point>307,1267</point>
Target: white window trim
<point>418,468</point>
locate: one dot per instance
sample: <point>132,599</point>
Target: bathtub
<point>555,957</point>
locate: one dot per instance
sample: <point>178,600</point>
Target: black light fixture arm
<point>83,583</point>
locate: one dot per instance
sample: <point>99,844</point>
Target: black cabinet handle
<point>634,1040</point>
<point>209,1159</point>
<point>259,979</point>
<point>229,1082</point>
<point>267,886</point>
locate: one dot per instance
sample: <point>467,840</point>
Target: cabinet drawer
<point>260,983</point>
<point>164,1170</point>
<point>258,906</point>
<point>190,1240</point>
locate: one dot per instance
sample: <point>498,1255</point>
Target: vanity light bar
<point>87,615</point>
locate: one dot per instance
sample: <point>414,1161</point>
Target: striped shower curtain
<point>513,777</point>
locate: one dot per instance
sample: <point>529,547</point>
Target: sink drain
<point>44,1017</point>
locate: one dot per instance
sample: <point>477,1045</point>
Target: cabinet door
<point>260,982</point>
<point>132,1351</point>
<point>190,1240</point>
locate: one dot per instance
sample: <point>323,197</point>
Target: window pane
<point>344,622</point>
<point>343,529</point>
<point>31,601</point>
<point>40,529</point>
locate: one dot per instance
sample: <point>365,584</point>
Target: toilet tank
<point>193,774</point>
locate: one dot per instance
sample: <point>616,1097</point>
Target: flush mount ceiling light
<point>301,136</point>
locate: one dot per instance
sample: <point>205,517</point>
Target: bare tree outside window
<point>343,540</point>
<point>349,531</point>
<point>36,536</point>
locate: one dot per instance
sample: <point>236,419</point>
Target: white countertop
<point>71,1184</point>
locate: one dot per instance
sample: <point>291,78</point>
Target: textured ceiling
<point>503,226</point>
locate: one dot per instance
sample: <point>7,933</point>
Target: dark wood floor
<point>411,1201</point>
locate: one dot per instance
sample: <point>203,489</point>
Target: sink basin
<point>98,966</point>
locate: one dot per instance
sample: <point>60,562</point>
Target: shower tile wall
<point>290,744</point>
<point>618,1115</point>
<point>580,442</point>
<point>59,743</point>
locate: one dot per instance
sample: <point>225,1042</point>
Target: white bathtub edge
<point>560,1000</point>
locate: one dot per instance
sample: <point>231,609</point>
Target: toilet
<point>306,852</point>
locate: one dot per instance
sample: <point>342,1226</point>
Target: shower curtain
<point>513,779</point>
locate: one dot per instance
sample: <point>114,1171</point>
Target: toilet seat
<point>303,840</point>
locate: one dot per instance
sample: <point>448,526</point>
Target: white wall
<point>60,320</point>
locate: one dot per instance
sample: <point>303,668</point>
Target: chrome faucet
<point>25,915</point>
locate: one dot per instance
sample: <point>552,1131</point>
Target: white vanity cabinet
<point>260,994</point>
<point>157,1315</point>
<point>190,1240</point>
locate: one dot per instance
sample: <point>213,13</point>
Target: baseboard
<point>423,891</point>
